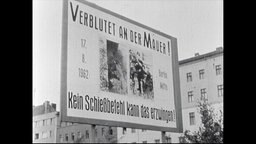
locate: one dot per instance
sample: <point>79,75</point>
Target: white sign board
<point>116,71</point>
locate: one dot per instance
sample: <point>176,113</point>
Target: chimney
<point>46,106</point>
<point>53,107</point>
<point>196,54</point>
<point>219,48</point>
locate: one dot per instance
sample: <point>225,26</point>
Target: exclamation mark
<point>169,50</point>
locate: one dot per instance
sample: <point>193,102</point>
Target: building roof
<point>37,110</point>
<point>218,51</point>
<point>46,107</point>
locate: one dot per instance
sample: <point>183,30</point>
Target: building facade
<point>47,128</point>
<point>45,123</point>
<point>201,79</point>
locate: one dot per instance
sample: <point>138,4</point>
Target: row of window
<point>132,130</point>
<point>64,124</point>
<point>192,119</point>
<point>204,94</point>
<point>201,73</point>
<point>43,135</point>
<point>79,135</point>
<point>103,131</point>
<point>156,141</point>
<point>143,130</point>
<point>45,122</point>
<point>168,140</point>
<point>87,135</point>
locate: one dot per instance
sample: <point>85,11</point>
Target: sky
<point>197,25</point>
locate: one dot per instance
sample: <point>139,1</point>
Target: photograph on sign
<point>141,73</point>
<point>113,68</point>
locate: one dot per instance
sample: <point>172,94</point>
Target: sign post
<point>163,136</point>
<point>117,72</point>
<point>93,131</point>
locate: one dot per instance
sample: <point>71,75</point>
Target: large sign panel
<point>116,71</point>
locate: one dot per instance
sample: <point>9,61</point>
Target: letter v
<point>73,16</point>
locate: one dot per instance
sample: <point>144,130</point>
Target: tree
<point>211,130</point>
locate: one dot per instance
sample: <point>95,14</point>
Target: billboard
<point>117,72</point>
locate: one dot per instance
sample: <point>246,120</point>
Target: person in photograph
<point>141,82</point>
<point>140,75</point>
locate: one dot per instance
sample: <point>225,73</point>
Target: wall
<point>210,81</point>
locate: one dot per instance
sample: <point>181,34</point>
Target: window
<point>66,137</point>
<point>61,138</point>
<point>72,136</point>
<point>144,141</point>
<point>110,131</point>
<point>124,130</point>
<point>44,123</point>
<point>51,121</point>
<point>220,90</point>
<point>201,74</point>
<point>157,141</point>
<point>218,69</point>
<point>189,77</point>
<point>86,134</point>
<point>36,136</point>
<point>50,133</point>
<point>203,94</point>
<point>190,96</point>
<point>133,130</point>
<point>192,118</point>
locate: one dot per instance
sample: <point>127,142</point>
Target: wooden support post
<point>93,132</point>
<point>163,137</point>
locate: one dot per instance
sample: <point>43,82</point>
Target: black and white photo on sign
<point>124,69</point>
<point>113,67</point>
<point>141,73</point>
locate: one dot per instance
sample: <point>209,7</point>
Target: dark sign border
<point>63,88</point>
